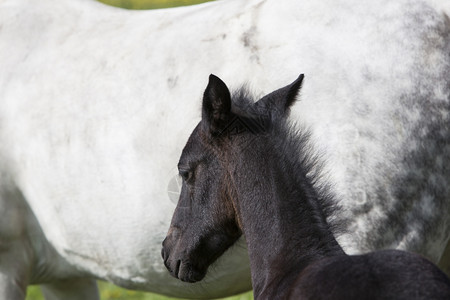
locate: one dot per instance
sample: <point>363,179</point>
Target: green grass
<point>112,292</point>
<point>151,4</point>
<point>107,290</point>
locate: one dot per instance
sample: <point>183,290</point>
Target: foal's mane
<point>294,144</point>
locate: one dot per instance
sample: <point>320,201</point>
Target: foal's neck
<point>282,220</point>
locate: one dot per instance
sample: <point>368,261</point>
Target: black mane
<point>293,142</point>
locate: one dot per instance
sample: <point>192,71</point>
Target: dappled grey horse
<point>96,103</point>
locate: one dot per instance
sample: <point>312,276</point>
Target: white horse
<point>95,103</point>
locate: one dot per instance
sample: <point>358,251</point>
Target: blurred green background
<point>107,290</point>
<point>111,292</point>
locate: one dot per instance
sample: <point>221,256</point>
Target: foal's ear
<point>216,109</point>
<point>282,99</point>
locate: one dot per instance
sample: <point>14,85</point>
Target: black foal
<point>246,170</point>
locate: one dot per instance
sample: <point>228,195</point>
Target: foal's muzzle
<point>177,261</point>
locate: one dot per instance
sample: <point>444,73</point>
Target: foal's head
<point>206,221</point>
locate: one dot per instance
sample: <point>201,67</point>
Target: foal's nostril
<point>166,263</point>
<point>165,258</point>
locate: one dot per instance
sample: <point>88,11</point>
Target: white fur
<point>96,104</point>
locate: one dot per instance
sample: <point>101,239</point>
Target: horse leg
<point>16,255</point>
<point>71,289</point>
<point>14,269</point>
<point>444,262</point>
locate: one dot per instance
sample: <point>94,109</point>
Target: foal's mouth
<point>186,272</point>
<point>183,270</point>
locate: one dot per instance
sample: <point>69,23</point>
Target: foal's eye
<point>186,175</point>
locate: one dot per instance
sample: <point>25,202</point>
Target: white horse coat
<point>96,103</point>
